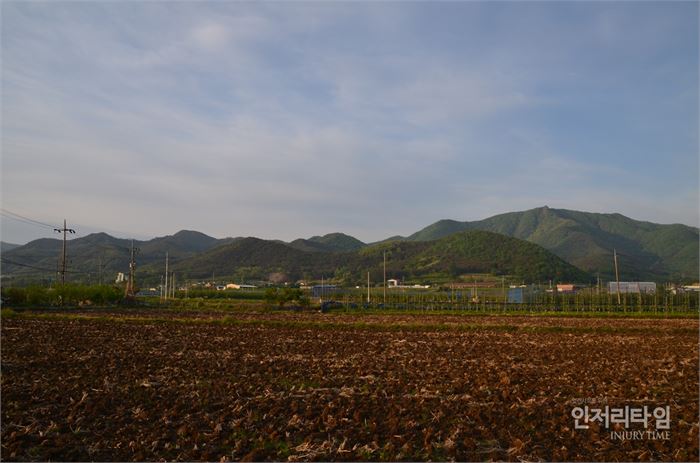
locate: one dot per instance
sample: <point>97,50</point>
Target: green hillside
<point>184,242</point>
<point>338,242</point>
<point>4,247</point>
<point>332,242</point>
<point>99,255</point>
<point>305,245</point>
<point>646,250</point>
<point>40,258</point>
<point>466,252</point>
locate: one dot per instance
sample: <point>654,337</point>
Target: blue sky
<point>286,120</point>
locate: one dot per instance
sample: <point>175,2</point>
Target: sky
<point>293,119</point>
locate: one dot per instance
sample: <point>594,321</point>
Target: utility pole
<point>166,276</point>
<point>65,231</point>
<point>617,277</point>
<point>503,285</point>
<point>129,292</point>
<point>368,298</point>
<point>384,303</point>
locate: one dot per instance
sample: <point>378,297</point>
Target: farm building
<point>647,287</point>
<point>566,288</point>
<point>239,286</point>
<point>392,283</point>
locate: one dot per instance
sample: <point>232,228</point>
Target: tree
<point>286,295</point>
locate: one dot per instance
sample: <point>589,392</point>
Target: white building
<point>646,287</point>
<point>392,283</point>
<point>241,286</point>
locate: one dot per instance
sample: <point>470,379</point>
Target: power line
<point>101,266</point>
<point>7,261</point>
<point>22,221</point>
<point>13,215</point>
<point>19,264</point>
<point>27,222</point>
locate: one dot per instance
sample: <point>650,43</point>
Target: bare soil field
<point>137,387</point>
<point>586,321</point>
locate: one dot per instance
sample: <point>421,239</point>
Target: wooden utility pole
<point>166,277</point>
<point>617,277</point>
<point>65,231</point>
<point>130,287</point>
<point>384,279</point>
<point>368,298</point>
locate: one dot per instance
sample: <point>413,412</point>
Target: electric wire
<point>13,215</point>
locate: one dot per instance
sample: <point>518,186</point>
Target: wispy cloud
<point>243,119</point>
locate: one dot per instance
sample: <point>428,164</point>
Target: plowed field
<point>321,387</point>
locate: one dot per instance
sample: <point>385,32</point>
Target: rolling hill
<point>4,247</point>
<point>471,251</point>
<point>332,242</point>
<point>646,250</point>
<point>100,254</point>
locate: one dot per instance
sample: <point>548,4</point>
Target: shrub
<point>67,294</point>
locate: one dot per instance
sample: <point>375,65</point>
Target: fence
<point>587,300</point>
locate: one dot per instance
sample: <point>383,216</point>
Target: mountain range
<point>645,250</point>
<point>533,245</point>
<point>472,251</point>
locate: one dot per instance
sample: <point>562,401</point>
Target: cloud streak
<point>241,119</point>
